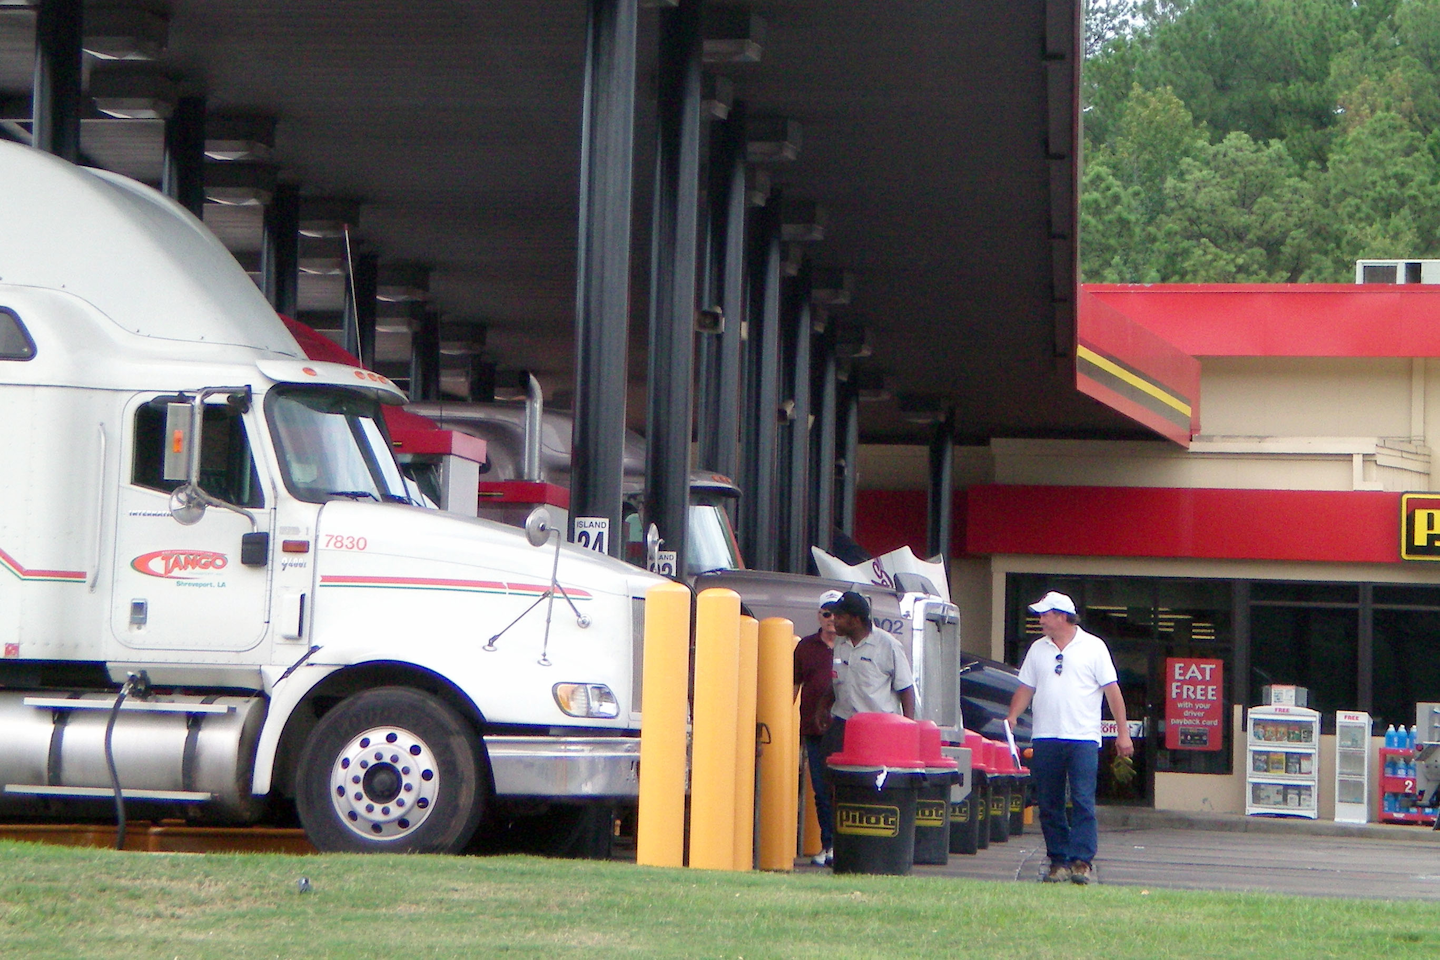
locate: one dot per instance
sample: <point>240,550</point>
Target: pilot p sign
<point>1419,526</point>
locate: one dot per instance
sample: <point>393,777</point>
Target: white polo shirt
<point>868,676</point>
<point>1066,705</point>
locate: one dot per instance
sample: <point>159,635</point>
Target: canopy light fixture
<point>831,287</point>
<point>327,218</point>
<point>792,258</point>
<point>461,338</point>
<point>733,34</point>
<point>850,339</point>
<point>869,384</point>
<point>717,96</point>
<point>239,184</point>
<point>923,407</point>
<point>757,187</point>
<point>322,258</point>
<point>124,33</point>
<point>773,140</point>
<point>801,221</point>
<point>132,91</point>
<point>403,283</point>
<point>231,138</point>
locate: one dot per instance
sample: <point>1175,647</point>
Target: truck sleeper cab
<point>194,506</point>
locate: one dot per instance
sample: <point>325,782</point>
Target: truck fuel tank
<point>170,749</point>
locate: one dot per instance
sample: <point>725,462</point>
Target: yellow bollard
<point>779,763</point>
<point>745,746</point>
<point>712,747</point>
<point>660,824</point>
<point>809,819</point>
<point>793,813</point>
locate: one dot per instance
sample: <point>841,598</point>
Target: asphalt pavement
<point>1160,849</point>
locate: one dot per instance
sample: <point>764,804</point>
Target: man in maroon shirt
<point>813,668</point>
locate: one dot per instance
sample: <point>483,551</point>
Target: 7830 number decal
<point>339,541</point>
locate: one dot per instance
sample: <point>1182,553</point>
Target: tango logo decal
<point>180,564</point>
<point>867,820</point>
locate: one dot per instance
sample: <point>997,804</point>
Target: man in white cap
<point>812,680</point>
<point>1067,672</point>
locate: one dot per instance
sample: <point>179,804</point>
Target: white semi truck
<point>529,451</point>
<point>215,593</point>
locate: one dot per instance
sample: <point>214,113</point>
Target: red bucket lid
<point>930,747</point>
<point>880,740</point>
<point>979,751</point>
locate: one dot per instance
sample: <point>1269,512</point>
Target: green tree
<point>1261,67</point>
<point>1153,133</point>
<point>1325,117</point>
<point>1381,192</point>
<point>1112,248</point>
<point>1238,212</point>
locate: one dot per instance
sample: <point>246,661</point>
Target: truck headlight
<point>586,700</point>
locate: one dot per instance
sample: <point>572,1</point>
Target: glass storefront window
<point>1144,621</point>
<point>1405,666</point>
<point>1279,591</point>
<point>1312,647</point>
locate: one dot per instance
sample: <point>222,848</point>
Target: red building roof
<point>1284,319</point>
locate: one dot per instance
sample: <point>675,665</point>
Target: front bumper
<point>560,767</point>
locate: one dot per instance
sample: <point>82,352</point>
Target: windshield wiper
<point>352,494</point>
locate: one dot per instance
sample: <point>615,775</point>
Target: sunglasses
<point>827,613</point>
<point>1059,663</point>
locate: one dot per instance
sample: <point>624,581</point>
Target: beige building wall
<point>1265,423</point>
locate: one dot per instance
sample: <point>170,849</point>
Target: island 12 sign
<point>1194,703</point>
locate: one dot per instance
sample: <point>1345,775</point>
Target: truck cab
<point>219,596</point>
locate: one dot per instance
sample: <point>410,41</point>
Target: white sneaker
<point>824,858</point>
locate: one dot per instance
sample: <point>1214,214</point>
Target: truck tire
<point>391,770</point>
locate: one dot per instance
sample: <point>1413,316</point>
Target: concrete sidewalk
<point>1162,849</point>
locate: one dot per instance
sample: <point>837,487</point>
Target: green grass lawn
<point>64,902</point>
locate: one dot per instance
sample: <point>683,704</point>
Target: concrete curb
<point>1145,818</point>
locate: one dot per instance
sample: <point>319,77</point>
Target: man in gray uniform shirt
<point>871,672</point>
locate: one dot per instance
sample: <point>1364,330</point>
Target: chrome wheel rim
<point>384,782</point>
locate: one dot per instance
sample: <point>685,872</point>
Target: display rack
<point>1399,795</point>
<point>1282,764</point>
<point>1352,766</point>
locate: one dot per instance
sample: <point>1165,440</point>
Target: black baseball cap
<point>849,602</point>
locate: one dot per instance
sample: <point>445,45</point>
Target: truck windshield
<point>710,540</point>
<point>332,446</point>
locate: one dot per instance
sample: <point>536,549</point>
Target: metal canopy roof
<point>456,125</point>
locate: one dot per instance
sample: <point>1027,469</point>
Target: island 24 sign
<point>1194,703</point>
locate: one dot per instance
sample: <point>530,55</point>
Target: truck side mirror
<point>538,527</point>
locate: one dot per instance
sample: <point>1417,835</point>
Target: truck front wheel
<point>391,770</point>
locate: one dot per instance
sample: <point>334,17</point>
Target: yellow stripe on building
<point>1169,399</point>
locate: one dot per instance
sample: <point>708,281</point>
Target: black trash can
<point>932,805</point>
<point>875,819</point>
<point>1019,793</point>
<point>980,805</point>
<point>876,779</point>
<point>932,816</point>
<point>999,819</point>
<point>962,817</point>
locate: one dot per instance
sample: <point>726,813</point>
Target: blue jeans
<point>815,753</point>
<point>1069,836</point>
